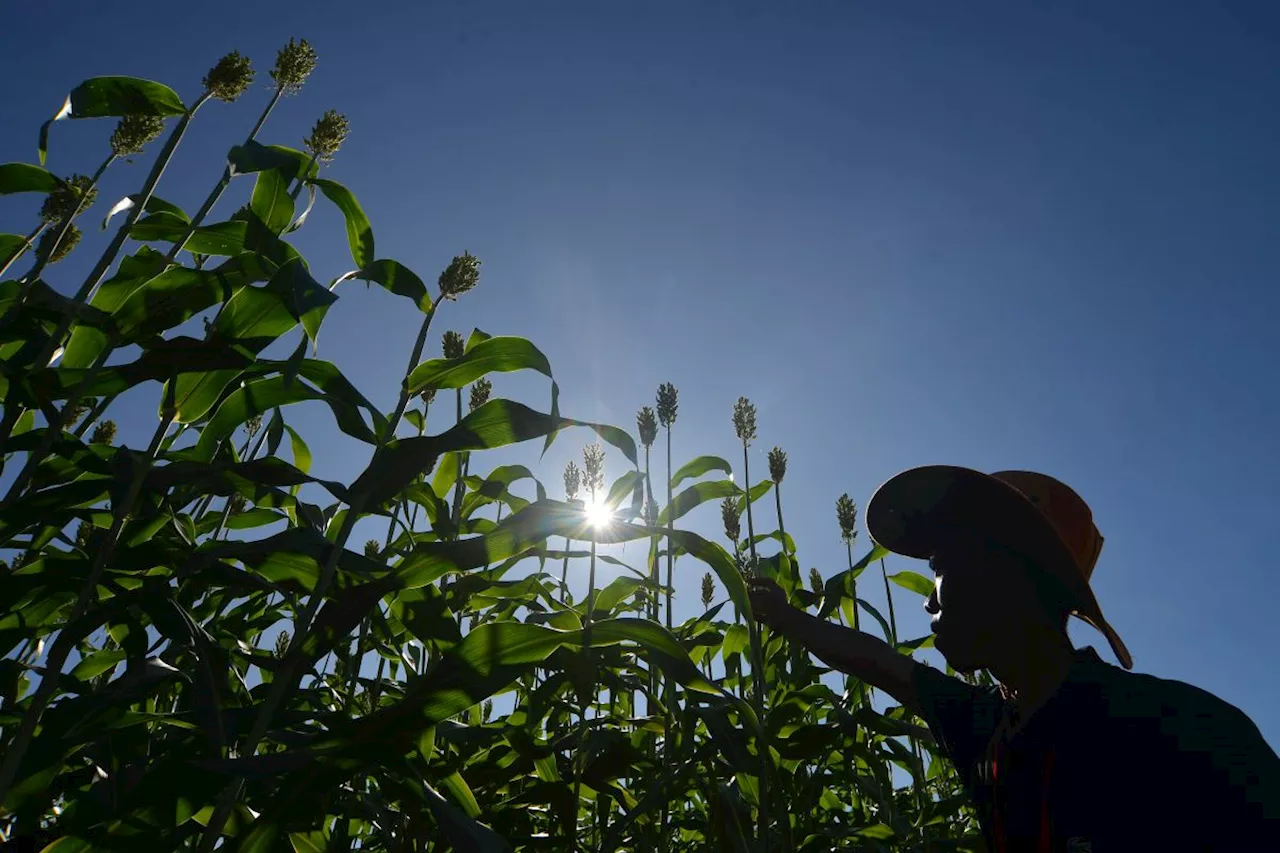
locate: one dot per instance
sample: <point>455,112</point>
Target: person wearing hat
<point>1067,752</point>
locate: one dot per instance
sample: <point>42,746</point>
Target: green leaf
<point>305,298</point>
<point>699,466</point>
<point>271,201</point>
<point>87,343</point>
<point>98,663</point>
<point>359,232</point>
<point>396,278</point>
<point>695,496</point>
<point>659,645</point>
<point>463,833</point>
<point>624,487</point>
<point>497,423</point>
<point>100,97</point>
<point>220,238</point>
<point>256,157</point>
<point>301,453</point>
<point>494,355</point>
<point>26,178</point>
<point>913,581</point>
<point>460,791</point>
<point>10,246</point>
<point>263,395</point>
<point>155,204</point>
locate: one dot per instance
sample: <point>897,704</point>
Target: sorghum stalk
<point>744,422</point>
<point>66,640</point>
<point>284,680</point>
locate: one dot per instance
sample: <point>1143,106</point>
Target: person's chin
<point>956,658</point>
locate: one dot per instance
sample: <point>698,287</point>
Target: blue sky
<point>982,234</point>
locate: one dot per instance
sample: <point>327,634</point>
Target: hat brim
<point>915,510</point>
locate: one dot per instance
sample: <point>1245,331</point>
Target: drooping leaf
<point>359,232</point>
<point>220,238</point>
<point>271,200</point>
<point>99,97</point>
<point>697,467</point>
<point>26,178</point>
<point>155,204</point>
<point>494,355</point>
<point>913,581</point>
<point>395,277</point>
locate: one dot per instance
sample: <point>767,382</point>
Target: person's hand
<point>769,604</point>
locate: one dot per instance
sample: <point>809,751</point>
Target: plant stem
<point>284,681</point>
<point>82,297</point>
<point>757,665</point>
<point>66,641</point>
<point>22,250</point>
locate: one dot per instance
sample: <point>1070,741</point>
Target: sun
<point>598,514</point>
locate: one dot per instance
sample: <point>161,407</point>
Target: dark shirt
<point>1113,761</point>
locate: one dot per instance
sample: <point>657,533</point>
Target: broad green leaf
<point>884,623</point>
<point>495,424</point>
<point>694,496</point>
<point>87,343</point>
<point>658,644</point>
<point>305,298</point>
<point>460,791</point>
<point>98,663</point>
<point>301,453</point>
<point>359,232</point>
<point>271,201</point>
<point>624,487</point>
<point>619,589</point>
<point>494,355</point>
<point>10,246</point>
<point>155,204</point>
<point>913,581</point>
<point>309,842</point>
<point>221,238</point>
<point>26,178</point>
<point>99,97</point>
<point>255,157</point>
<point>263,395</point>
<point>463,833</point>
<point>395,277</point>
<point>697,467</point>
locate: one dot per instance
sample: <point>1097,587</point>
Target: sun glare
<point>598,515</point>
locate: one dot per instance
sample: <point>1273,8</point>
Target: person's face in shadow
<point>983,602</point>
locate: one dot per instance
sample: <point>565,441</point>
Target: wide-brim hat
<point>1034,514</point>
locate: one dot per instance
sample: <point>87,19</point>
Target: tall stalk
<point>66,640</point>
<point>668,401</point>
<point>458,278</point>
<point>744,423</point>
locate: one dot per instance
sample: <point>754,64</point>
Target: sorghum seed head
<point>294,64</point>
<point>282,643</point>
<point>777,464</point>
<point>708,589</point>
<point>847,515</point>
<point>461,275</point>
<point>815,581</point>
<point>744,420</point>
<point>428,396</point>
<point>572,480</point>
<point>372,548</point>
<point>593,467</point>
<point>667,404</point>
<point>236,503</point>
<point>327,136</point>
<point>82,535</point>
<point>66,245</point>
<point>480,392</point>
<point>732,518</point>
<point>454,345</point>
<point>72,196</point>
<point>230,77</point>
<point>134,132</point>
<point>647,424</point>
<point>486,710</point>
<point>252,425</point>
<point>104,433</point>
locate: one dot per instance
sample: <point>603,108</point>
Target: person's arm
<point>853,652</point>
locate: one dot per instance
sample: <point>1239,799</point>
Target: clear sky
<point>984,234</point>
